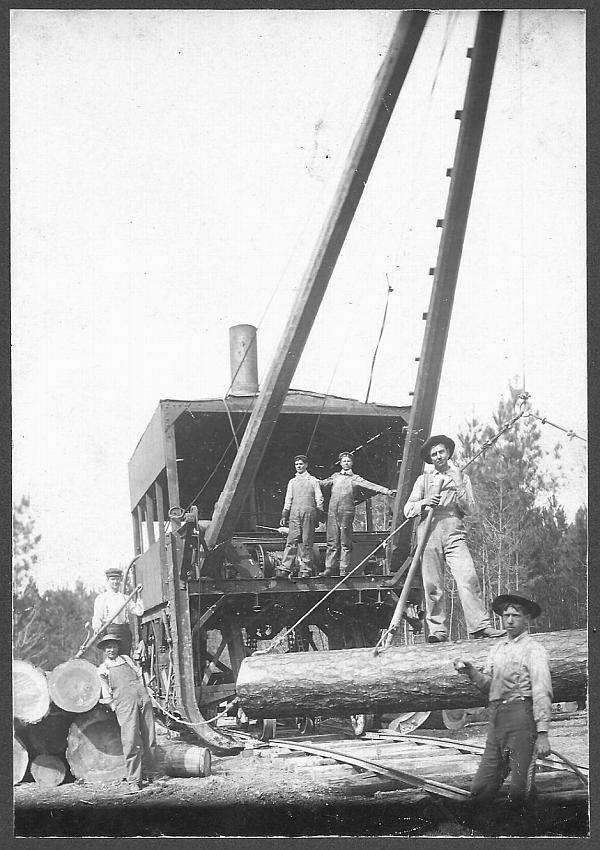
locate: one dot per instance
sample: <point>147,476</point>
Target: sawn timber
<point>408,678</point>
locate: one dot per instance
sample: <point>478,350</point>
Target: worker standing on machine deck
<point>340,517</point>
<point>447,541</point>
<point>516,678</point>
<point>303,503</point>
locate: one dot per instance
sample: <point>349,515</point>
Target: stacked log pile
<point>60,729</point>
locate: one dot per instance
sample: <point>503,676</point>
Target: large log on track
<point>406,678</point>
<point>31,701</point>
<point>75,685</point>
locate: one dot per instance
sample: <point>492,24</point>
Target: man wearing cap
<point>345,486</point>
<point>303,503</point>
<point>516,678</point>
<point>447,542</point>
<point>124,691</point>
<point>108,603</point>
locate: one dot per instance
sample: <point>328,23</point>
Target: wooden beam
<point>472,119</point>
<point>316,277</point>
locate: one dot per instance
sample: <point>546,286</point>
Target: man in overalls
<point>303,503</point>
<point>124,691</point>
<point>516,678</point>
<point>345,486</point>
<point>447,541</point>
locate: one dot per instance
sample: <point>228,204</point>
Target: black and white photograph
<point>299,423</point>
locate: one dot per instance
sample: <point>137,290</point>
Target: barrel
<point>178,759</point>
<point>49,770</point>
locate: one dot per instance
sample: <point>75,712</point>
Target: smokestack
<point>243,360</point>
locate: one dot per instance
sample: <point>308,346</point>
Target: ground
<point>252,796</point>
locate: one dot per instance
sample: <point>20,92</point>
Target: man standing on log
<point>124,691</point>
<point>447,543</point>
<point>303,504</point>
<point>517,679</point>
<point>108,603</point>
<point>345,486</point>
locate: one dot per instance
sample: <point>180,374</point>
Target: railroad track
<point>385,761</point>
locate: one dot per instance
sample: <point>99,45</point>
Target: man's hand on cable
<point>542,745</point>
<point>431,501</point>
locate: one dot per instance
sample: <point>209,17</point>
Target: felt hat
<point>345,454</point>
<point>114,571</point>
<point>301,457</point>
<point>109,636</point>
<point>523,597</point>
<point>436,440</point>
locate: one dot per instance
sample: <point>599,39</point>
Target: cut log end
<point>75,686</point>
<point>31,700</point>
<point>49,770</point>
<point>20,760</point>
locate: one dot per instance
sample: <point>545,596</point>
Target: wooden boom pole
<point>388,84</point>
<point>445,274</point>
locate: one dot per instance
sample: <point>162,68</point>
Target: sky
<point>170,171</point>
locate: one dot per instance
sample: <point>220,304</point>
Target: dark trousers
<point>509,748</point>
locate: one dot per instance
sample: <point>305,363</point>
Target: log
<point>75,685</point>
<point>94,749</point>
<point>20,760</point>
<point>49,770</point>
<point>183,760</point>
<point>31,700</point>
<point>49,736</point>
<point>407,678</point>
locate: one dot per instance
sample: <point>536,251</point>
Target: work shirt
<point>303,491</point>
<point>103,672</point>
<point>345,486</point>
<point>519,668</point>
<point>108,603</point>
<point>453,498</point>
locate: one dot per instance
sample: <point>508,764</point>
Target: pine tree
<point>518,532</point>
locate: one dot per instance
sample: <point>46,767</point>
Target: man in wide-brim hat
<point>516,678</point>
<point>448,493</point>
<point>124,691</point>
<point>108,604</point>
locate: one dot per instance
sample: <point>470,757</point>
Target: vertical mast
<point>454,224</point>
<point>388,84</point>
